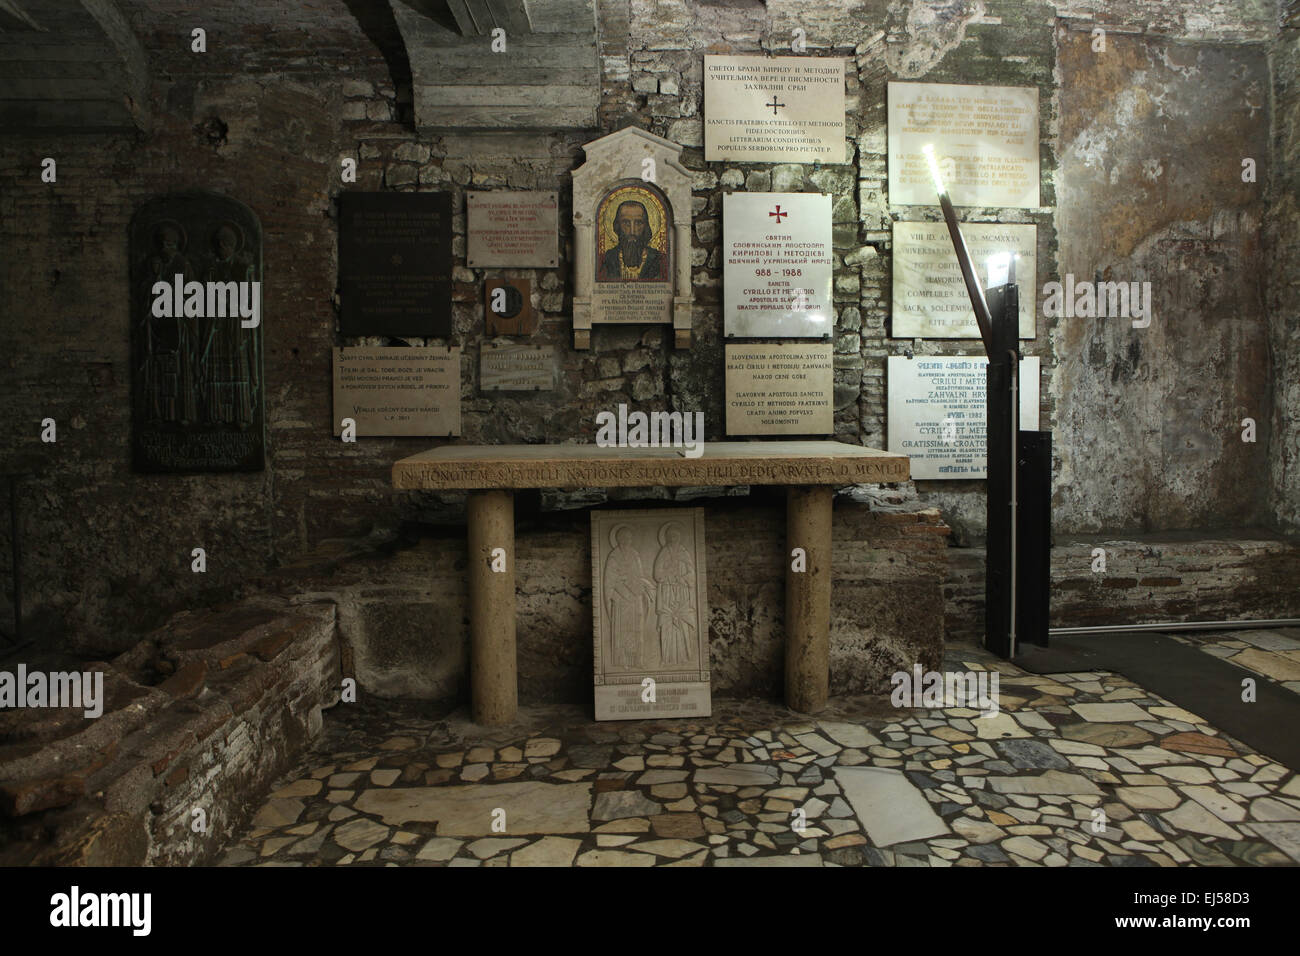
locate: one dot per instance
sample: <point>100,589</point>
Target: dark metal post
<point>999,587</point>
<point>1017,579</point>
<point>17,564</point>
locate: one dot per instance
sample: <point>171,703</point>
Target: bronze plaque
<point>395,264</point>
<point>508,305</point>
<point>196,335</point>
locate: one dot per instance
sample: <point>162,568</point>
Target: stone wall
<point>1148,426</point>
<point>403,608</point>
<point>270,111</point>
<point>1283,244</point>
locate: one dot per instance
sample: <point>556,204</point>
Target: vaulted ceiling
<point>78,65</point>
<point>546,77</point>
<point>70,65</point>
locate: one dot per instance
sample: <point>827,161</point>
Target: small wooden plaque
<point>510,310</point>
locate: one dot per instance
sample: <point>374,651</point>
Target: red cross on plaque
<point>778,213</point>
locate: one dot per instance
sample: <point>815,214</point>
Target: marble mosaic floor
<point>1274,654</point>
<point>1083,769</point>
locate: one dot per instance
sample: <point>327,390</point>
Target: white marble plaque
<point>397,391</point>
<point>985,139</point>
<point>937,412</point>
<point>785,389</point>
<point>650,614</point>
<point>930,298</point>
<point>778,268</point>
<point>512,228</point>
<point>516,368</point>
<point>785,109</point>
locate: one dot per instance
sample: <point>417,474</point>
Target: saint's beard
<point>632,249</point>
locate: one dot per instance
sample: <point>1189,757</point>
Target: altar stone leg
<point>493,683</point>
<point>808,599</point>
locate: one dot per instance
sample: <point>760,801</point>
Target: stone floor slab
<point>530,807</point>
<point>739,775</point>
<point>1050,781</point>
<point>848,735</point>
<point>615,858</point>
<point>360,835</point>
<point>889,808</point>
<point>1115,713</point>
<point>617,804</point>
<point>803,859</point>
<point>1284,836</point>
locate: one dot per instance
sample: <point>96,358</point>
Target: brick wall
<point>1150,579</point>
<point>199,718</point>
<point>279,99</point>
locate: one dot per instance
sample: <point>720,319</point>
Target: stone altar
<point>491,473</point>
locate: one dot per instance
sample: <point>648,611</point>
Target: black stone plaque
<point>196,355</point>
<point>395,264</point>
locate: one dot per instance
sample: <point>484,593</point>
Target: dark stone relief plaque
<point>395,264</point>
<point>198,395</point>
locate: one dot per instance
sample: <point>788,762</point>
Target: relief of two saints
<point>630,596</point>
<point>197,370</point>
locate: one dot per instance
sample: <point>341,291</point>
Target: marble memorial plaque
<point>651,615</point>
<point>516,368</point>
<point>937,412</point>
<point>785,109</point>
<point>985,139</point>
<point>929,299</point>
<point>512,228</point>
<point>395,264</point>
<point>508,307</point>
<point>784,389</point>
<point>778,268</point>
<point>398,391</point>
<point>632,235</point>
<point>197,391</point>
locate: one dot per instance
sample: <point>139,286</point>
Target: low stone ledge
<point>1166,577</point>
<point>122,789</point>
<point>403,610</point>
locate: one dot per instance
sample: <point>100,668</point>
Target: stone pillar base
<point>808,599</point>
<point>494,684</point>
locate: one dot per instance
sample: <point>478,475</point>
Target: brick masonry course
<point>268,114</point>
<point>238,698</point>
